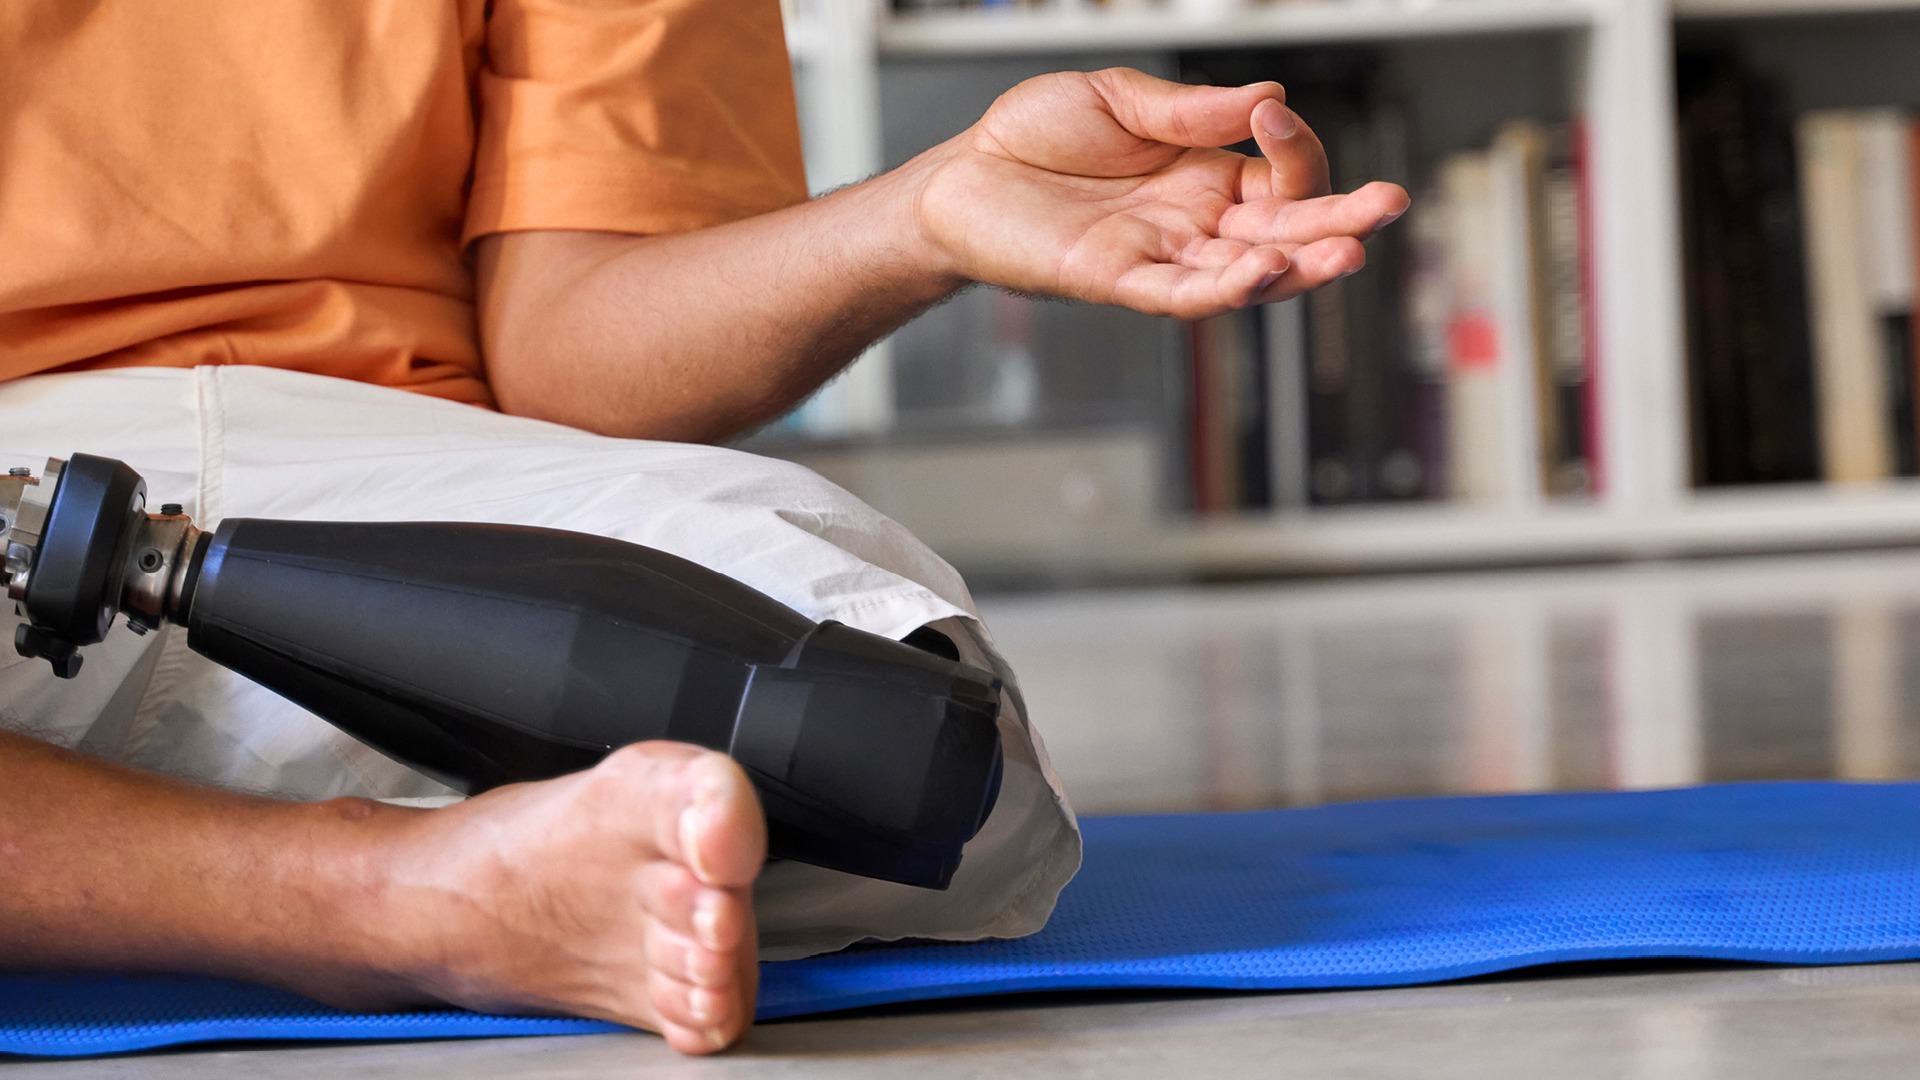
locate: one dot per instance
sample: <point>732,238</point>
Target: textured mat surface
<point>1370,894</point>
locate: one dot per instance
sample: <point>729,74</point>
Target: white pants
<point>257,442</point>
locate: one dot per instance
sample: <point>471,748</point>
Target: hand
<point>1111,187</point>
<point>622,893</point>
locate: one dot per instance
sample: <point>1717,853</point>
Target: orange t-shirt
<point>294,182</point>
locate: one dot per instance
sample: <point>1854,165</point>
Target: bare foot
<point>621,893</point>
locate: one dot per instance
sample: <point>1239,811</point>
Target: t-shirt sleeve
<point>635,116</point>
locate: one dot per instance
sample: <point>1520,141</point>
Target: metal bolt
<point>150,560</point>
<point>19,472</point>
<point>172,510</point>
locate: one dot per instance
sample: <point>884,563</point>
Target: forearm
<point>111,869</point>
<point>700,336</point>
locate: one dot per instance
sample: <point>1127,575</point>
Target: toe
<point>715,1017</point>
<point>714,918</point>
<point>680,956</point>
<point>722,832</point>
<point>694,1041</point>
<point>696,808</point>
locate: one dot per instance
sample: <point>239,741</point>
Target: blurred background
<point>1600,475</point>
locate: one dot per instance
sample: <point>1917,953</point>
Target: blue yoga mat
<point>1367,894</point>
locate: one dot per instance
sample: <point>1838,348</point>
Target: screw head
<point>20,472</point>
<point>171,509</point>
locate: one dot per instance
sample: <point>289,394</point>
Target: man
<point>588,212</point>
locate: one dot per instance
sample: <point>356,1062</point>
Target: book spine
<point>1517,156</point>
<point>1429,317</point>
<point>1363,308</point>
<point>1404,467</point>
<point>1565,316</point>
<point>1284,345</point>
<point>1200,407</point>
<point>1785,289</point>
<point>1886,176</point>
<point>1252,488</point>
<point>1592,425</point>
<point>1475,416</point>
<point>1913,234</point>
<point>1716,377</point>
<point>1855,440</point>
<point>1329,366</point>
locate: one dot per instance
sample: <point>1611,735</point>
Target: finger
<point>1180,115</point>
<point>1212,253</point>
<point>1296,163</point>
<point>1282,221</point>
<point>1188,293</point>
<point>1316,265</point>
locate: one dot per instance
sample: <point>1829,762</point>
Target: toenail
<point>693,827</point>
<point>705,1005</point>
<point>706,921</point>
<point>716,1040</point>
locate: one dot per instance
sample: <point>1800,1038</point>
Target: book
<point>1477,468</point>
<point>1886,205</point>
<point>1204,470</point>
<point>1593,430</point>
<point>1849,358</point>
<point>1913,221</point>
<point>1397,455</point>
<point>1566,313</point>
<point>1283,332</point>
<point>1329,373</point>
<point>1429,322</point>
<point>1516,169</point>
<point>1792,451</point>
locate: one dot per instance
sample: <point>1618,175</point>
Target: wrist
<point>910,251</point>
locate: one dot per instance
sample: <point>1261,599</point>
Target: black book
<point>1749,336</point>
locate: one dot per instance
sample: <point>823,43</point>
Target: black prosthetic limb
<point>488,654</point>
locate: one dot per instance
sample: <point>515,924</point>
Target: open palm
<point>1111,187</point>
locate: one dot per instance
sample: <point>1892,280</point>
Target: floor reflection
<point>1276,695</point>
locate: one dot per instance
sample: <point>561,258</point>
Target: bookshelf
<point>1618,57</point>
<point>1012,32</point>
<point>1740,9</point>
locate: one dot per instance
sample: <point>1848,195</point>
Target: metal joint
<point>25,502</point>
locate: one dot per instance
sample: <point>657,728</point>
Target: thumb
<point>1180,115</point>
<point>1296,162</point>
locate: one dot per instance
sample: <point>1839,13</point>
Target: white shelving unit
<point>1742,9</point>
<point>1014,32</point>
<point>1622,54</point>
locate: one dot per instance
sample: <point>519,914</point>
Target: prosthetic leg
<point>488,654</point>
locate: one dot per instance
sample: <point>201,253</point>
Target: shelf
<point>1752,9</point>
<point>1428,537</point>
<point>806,40</point>
<point>1304,21</point>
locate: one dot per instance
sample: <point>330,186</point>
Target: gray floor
<point>1290,695</point>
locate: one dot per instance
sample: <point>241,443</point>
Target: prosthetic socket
<point>487,654</point>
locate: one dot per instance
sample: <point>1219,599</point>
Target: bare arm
<point>697,336</point>
<point>1106,187</point>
